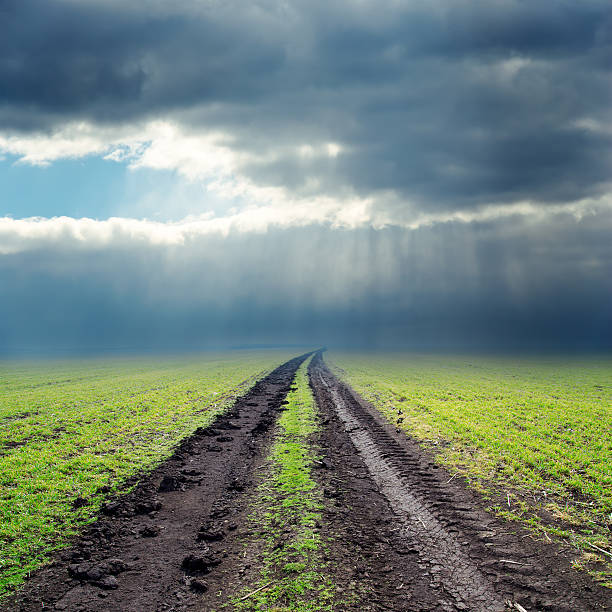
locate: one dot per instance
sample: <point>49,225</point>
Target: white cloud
<point>533,210</point>
<point>211,158</point>
<point>74,141</point>
<point>196,155</point>
<point>18,235</point>
<point>25,234</point>
<point>159,145</point>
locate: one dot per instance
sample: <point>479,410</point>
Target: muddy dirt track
<point>401,534</point>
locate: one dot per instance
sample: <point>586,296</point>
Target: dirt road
<point>400,534</point>
<point>453,554</point>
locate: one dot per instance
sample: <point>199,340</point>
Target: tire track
<point>441,550</point>
<point>149,549</point>
<point>400,535</point>
<point>467,558</point>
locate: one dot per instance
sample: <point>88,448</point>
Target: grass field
<point>73,432</point>
<point>534,435</point>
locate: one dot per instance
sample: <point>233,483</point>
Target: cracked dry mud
<point>401,535</point>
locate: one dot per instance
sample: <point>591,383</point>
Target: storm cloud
<point>446,104</point>
<point>429,174</point>
<point>488,285</point>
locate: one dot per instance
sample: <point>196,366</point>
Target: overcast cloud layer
<point>418,173</point>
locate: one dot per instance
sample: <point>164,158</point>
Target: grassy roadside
<point>73,432</point>
<point>534,436</point>
<point>286,514</point>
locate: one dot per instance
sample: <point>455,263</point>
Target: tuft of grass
<point>533,435</point>
<point>80,429</point>
<point>286,513</point>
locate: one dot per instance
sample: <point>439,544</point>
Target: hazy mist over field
<point>404,174</point>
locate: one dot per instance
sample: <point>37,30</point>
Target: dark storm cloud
<point>438,106</point>
<point>449,104</point>
<point>494,285</point>
<point>64,60</point>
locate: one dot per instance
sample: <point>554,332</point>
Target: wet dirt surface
<point>453,554</point>
<point>400,533</point>
<point>150,549</point>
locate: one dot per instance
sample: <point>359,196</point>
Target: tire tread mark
<point>436,545</point>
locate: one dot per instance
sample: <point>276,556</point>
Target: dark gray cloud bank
<point>449,106</point>
<point>452,104</point>
<point>444,287</point>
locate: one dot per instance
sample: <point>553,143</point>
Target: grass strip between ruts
<point>286,515</point>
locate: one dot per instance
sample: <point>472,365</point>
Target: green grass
<point>73,428</point>
<point>536,431</point>
<point>285,516</point>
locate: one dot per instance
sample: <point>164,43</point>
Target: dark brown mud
<point>151,549</point>
<point>422,541</point>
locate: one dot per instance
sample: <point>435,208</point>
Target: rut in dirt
<point>148,548</point>
<point>454,554</point>
<point>399,533</point>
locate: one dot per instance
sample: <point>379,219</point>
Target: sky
<point>390,174</point>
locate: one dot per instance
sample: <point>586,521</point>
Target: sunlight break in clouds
<point>210,158</point>
<point>160,145</point>
<point>207,157</point>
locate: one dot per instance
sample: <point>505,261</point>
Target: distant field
<point>78,429</point>
<point>533,434</point>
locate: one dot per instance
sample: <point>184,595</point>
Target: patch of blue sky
<point>98,188</point>
<point>75,188</point>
